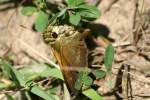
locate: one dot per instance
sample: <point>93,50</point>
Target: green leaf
<point>36,70</point>
<point>56,97</point>
<point>5,70</point>
<point>83,79</point>
<point>99,73</point>
<point>17,78</point>
<point>78,83</point>
<point>87,80</point>
<point>88,12</point>
<point>73,3</point>
<point>75,19</point>
<point>35,89</point>
<point>55,72</point>
<point>62,12</point>
<point>52,90</point>
<point>53,19</point>
<point>109,57</point>
<point>28,10</point>
<point>33,71</point>
<point>92,94</point>
<point>38,91</point>
<point>61,15</point>
<point>41,21</point>
<point>21,80</point>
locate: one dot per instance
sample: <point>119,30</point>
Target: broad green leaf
<point>28,10</point>
<point>38,91</point>
<point>17,78</point>
<point>54,72</point>
<point>5,70</point>
<point>88,11</point>
<point>21,80</point>
<point>87,80</point>
<point>56,97</point>
<point>92,94</point>
<point>41,21</point>
<point>33,71</point>
<point>73,3</point>
<point>36,70</point>
<point>83,79</point>
<point>78,83</point>
<point>35,89</point>
<point>99,73</point>
<point>52,90</point>
<point>109,57</point>
<point>75,18</point>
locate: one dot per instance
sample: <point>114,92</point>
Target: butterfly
<point>70,50</point>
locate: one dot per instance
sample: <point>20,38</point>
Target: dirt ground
<point>127,23</point>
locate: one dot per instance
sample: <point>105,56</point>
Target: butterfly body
<point>69,49</point>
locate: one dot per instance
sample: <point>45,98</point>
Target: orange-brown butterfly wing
<point>76,55</point>
<point>68,75</point>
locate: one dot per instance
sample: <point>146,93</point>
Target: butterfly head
<point>54,33</point>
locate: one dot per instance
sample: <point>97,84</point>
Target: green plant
<point>109,57</point>
<point>72,12</point>
<point>23,79</point>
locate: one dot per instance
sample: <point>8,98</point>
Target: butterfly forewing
<point>70,51</point>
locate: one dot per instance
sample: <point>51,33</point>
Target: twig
<point>10,91</point>
<point>125,83</point>
<point>117,44</point>
<point>145,80</point>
